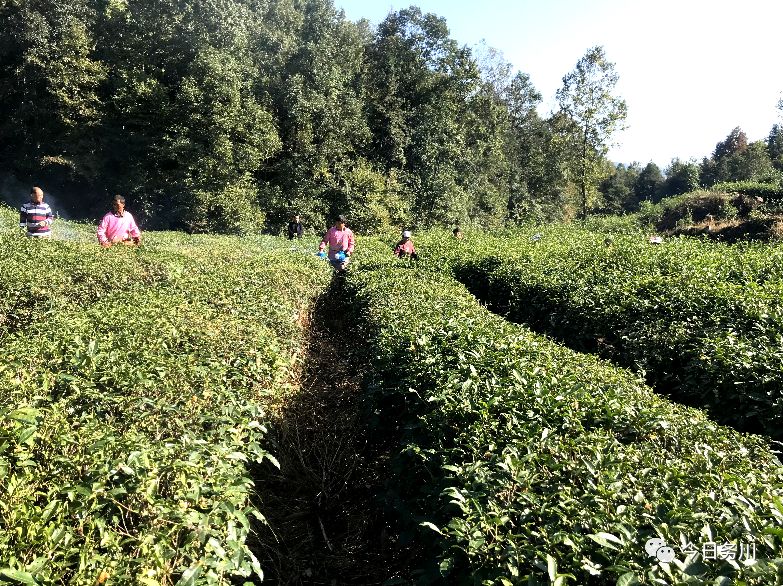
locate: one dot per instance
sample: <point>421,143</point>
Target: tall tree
<point>753,164</point>
<point>775,146</point>
<point>681,177</point>
<point>315,86</point>
<point>595,113</point>
<point>436,125</point>
<point>49,87</point>
<point>186,128</point>
<point>735,143</point>
<point>618,189</point>
<point>723,163</point>
<point>648,184</point>
<point>533,174</point>
<point>735,160</point>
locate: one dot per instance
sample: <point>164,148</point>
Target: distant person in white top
<point>36,216</point>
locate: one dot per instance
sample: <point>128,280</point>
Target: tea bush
<point>519,461</point>
<point>131,403</point>
<point>704,321</point>
<point>771,191</point>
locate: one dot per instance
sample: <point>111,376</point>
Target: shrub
<point>703,320</point>
<point>519,461</point>
<point>132,396</point>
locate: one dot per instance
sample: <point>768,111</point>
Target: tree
<point>595,114</point>
<point>753,164</point>
<point>436,124</point>
<point>723,164</point>
<point>735,143</point>
<point>618,189</point>
<point>681,177</point>
<point>709,172</point>
<point>648,184</point>
<point>219,136</point>
<point>314,62</point>
<point>536,173</point>
<point>736,160</point>
<point>775,146</point>
<point>531,173</point>
<point>186,126</point>
<point>49,88</point>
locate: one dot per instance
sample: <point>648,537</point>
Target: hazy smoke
<point>14,193</point>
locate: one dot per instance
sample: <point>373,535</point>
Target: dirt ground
<point>326,520</point>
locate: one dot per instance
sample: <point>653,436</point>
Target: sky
<point>690,70</point>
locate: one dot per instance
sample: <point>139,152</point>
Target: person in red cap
<point>339,239</point>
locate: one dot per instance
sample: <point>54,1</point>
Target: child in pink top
<point>118,226</point>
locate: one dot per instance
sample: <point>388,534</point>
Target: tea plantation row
<point>703,320</point>
<point>131,388</point>
<point>130,406</point>
<point>519,461</point>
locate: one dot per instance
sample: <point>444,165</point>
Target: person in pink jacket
<point>118,226</point>
<point>405,247</point>
<point>339,239</point>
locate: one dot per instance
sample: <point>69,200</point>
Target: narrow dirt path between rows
<point>326,520</point>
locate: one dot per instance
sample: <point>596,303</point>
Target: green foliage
<point>593,114</point>
<point>681,177</point>
<point>519,461</point>
<point>315,86</point>
<point>769,191</point>
<point>775,146</point>
<point>684,210</point>
<point>222,137</point>
<point>202,113</point>
<point>619,189</point>
<point>435,121</point>
<point>49,82</point>
<point>735,143</point>
<point>375,202</point>
<point>736,160</point>
<point>134,380</point>
<point>755,165</point>
<point>133,393</point>
<point>648,184</point>
<point>702,320</point>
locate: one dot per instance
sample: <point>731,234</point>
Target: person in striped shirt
<point>118,226</point>
<point>36,216</point>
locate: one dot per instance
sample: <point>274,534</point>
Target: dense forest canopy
<point>230,115</point>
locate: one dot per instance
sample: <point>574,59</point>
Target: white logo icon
<point>657,548</point>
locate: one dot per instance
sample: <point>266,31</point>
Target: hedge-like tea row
<point>767,191</point>
<point>131,389</point>
<point>703,320</point>
<point>523,462</point>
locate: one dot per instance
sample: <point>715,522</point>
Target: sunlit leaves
<point>132,404</point>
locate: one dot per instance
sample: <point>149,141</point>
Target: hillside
<point>727,213</point>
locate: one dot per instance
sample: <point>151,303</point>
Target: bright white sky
<point>690,70</point>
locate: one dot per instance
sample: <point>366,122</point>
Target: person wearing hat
<point>405,247</point>
<point>339,239</point>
